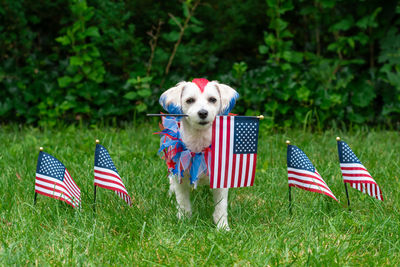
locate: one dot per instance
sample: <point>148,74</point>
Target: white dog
<point>201,100</point>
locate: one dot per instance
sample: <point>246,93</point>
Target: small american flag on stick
<point>355,173</point>
<point>302,173</point>
<point>106,175</point>
<point>233,151</point>
<point>53,180</point>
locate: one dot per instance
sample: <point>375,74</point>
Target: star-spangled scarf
<point>179,158</point>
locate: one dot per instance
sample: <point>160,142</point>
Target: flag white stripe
<point>231,137</point>
<point>108,177</point>
<point>244,163</point>
<point>378,192</point>
<point>355,172</point>
<point>314,174</point>
<point>55,186</point>
<point>71,185</point>
<point>223,161</point>
<point>352,165</point>
<point>106,170</point>
<point>236,174</point>
<point>56,194</point>
<point>311,186</point>
<point>216,148</point>
<point>360,179</point>
<point>109,184</point>
<point>318,181</point>
<point>309,179</point>
<point>54,180</point>
<point>250,173</point>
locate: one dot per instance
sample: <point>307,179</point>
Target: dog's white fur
<point>195,131</point>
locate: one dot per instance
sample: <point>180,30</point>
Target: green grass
<point>320,231</point>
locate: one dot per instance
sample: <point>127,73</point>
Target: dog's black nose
<point>203,113</point>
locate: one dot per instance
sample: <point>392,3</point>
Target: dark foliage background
<point>321,63</point>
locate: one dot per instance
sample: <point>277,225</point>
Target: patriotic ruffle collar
<point>179,158</point>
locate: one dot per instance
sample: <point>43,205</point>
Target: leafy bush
<point>310,63</point>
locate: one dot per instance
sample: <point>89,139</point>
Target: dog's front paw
<point>223,226</point>
<point>183,214</point>
<point>222,223</point>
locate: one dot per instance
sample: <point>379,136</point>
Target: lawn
<point>320,232</point>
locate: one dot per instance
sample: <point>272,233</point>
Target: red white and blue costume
<point>178,157</point>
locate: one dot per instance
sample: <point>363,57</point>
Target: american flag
<point>302,173</point>
<point>106,175</point>
<point>233,151</point>
<point>355,173</point>
<point>53,180</point>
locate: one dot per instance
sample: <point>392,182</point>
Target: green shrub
<point>301,63</point>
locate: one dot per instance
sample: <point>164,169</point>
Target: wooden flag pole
<point>345,184</point>
<point>161,115</point>
<point>260,117</point>
<point>95,186</point>
<point>290,189</point>
<point>34,199</point>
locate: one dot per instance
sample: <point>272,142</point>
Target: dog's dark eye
<point>212,100</point>
<point>190,100</point>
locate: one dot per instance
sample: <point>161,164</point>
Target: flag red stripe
<point>220,152</point>
<point>308,182</point>
<point>254,169</point>
<point>247,174</point>
<point>359,181</point>
<point>72,180</point>
<point>240,170</point>
<point>353,169</point>
<point>52,189</point>
<point>73,188</point>
<point>308,175</point>
<point>70,186</point>
<point>108,174</point>
<point>313,190</point>
<point>108,180</point>
<point>227,152</point>
<point>233,171</point>
<point>98,183</point>
<point>55,197</point>
<point>356,175</point>
<point>54,183</point>
<point>213,154</point>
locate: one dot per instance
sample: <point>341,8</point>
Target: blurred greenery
<point>317,64</point>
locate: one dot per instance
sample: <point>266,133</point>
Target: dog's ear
<point>228,97</point>
<point>170,100</point>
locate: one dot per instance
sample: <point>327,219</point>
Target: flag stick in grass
<point>106,174</point>
<point>302,173</point>
<point>290,189</point>
<point>53,180</point>
<point>355,173</point>
<point>95,186</point>
<point>35,197</point>
<point>345,184</point>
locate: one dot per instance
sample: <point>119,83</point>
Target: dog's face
<point>200,100</point>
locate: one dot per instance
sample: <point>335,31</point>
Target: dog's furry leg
<point>220,214</point>
<point>182,193</point>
